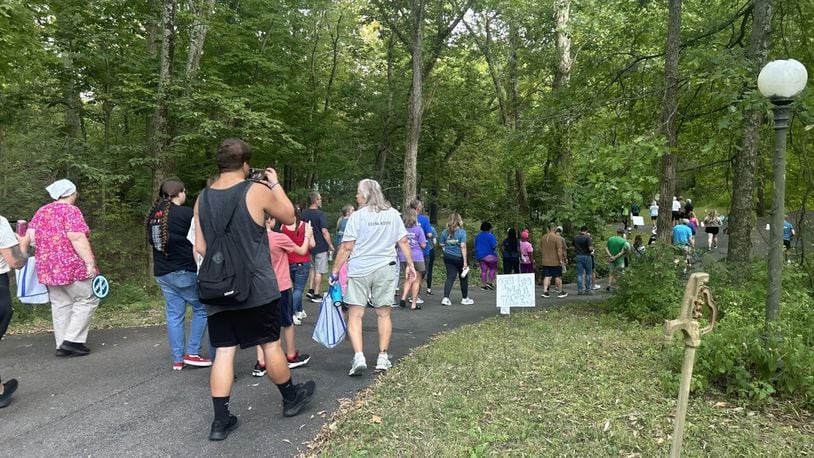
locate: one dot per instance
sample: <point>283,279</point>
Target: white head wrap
<point>61,188</point>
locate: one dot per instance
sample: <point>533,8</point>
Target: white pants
<point>72,307</point>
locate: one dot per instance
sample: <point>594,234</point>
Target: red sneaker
<point>196,360</point>
<point>177,366</point>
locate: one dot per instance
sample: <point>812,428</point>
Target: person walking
<point>616,249</point>
<point>299,265</point>
<point>526,253</point>
<point>175,271</point>
<point>279,247</point>
<point>319,254</point>
<point>654,212</point>
<point>417,242</point>
<point>511,253</point>
<point>712,225</point>
<point>485,254</point>
<point>554,258</point>
<point>66,266</point>
<point>347,210</point>
<point>583,248</point>
<point>453,243</point>
<point>369,248</point>
<point>429,257</point>
<point>13,254</point>
<point>429,233</point>
<point>255,320</point>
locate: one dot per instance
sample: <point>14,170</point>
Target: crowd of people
<point>250,225</point>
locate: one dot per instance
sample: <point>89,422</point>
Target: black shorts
<point>787,244</point>
<point>246,327</point>
<point>552,271</point>
<point>676,215</point>
<point>711,230</point>
<point>286,309</point>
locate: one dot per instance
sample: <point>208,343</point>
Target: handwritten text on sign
<point>515,290</point>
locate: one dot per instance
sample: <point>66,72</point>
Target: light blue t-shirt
<point>452,244</point>
<point>787,228</point>
<point>681,235</point>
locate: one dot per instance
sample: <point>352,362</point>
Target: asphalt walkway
<point>124,400</point>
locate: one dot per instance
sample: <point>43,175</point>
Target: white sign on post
<point>637,220</point>
<point>515,291</point>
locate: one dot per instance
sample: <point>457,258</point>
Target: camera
<point>257,174</point>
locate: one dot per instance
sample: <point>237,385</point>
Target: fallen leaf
<point>376,419</point>
<point>721,404</point>
<point>607,426</point>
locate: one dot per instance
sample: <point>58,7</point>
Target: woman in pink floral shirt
<point>66,265</point>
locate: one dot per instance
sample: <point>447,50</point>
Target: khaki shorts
<point>379,286</point>
<point>320,262</point>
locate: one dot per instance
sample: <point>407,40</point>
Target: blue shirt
<point>787,228</point>
<point>681,235</point>
<point>485,243</point>
<point>452,243</point>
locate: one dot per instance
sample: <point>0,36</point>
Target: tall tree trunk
<point>201,9</point>
<point>386,147</point>
<point>741,212</point>
<point>668,118</point>
<point>415,109</point>
<point>160,138</point>
<point>562,148</point>
<point>513,117</point>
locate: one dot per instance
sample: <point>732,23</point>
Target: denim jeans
<point>584,267</point>
<point>429,261</point>
<point>299,276</point>
<point>181,288</point>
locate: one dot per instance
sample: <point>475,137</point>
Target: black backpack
<point>225,276</point>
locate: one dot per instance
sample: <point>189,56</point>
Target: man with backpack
<point>236,280</point>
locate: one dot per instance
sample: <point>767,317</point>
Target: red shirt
<point>297,237</point>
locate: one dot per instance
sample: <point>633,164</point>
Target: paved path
<point>123,399</point>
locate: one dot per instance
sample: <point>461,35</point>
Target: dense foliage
<point>740,356</point>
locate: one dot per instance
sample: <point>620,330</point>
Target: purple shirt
<point>415,237</point>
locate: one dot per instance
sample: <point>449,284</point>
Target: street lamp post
<point>780,81</point>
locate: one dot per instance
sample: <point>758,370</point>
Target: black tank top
<point>252,239</point>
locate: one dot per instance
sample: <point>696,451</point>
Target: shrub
<point>740,356</point>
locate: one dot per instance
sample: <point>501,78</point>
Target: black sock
<point>288,390</point>
<point>221,407</point>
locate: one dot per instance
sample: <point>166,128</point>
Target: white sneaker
<point>467,301</point>
<point>303,315</point>
<point>597,286</point>
<point>296,320</point>
<point>418,301</point>
<point>446,301</point>
<point>383,362</point>
<point>359,365</point>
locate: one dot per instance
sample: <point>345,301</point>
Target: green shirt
<point>615,245</point>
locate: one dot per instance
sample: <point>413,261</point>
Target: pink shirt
<point>280,245</point>
<point>525,252</point>
<point>57,261</point>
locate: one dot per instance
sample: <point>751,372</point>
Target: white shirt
<point>654,210</point>
<point>7,240</point>
<point>676,206</point>
<point>376,235</point>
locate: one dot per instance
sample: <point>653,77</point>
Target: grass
<point>567,382</point>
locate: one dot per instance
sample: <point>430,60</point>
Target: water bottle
<point>336,294</point>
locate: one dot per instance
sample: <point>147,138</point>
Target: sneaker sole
<point>357,371</point>
<point>225,434</point>
<point>197,363</point>
<point>298,363</point>
<point>259,374</point>
<point>298,408</point>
